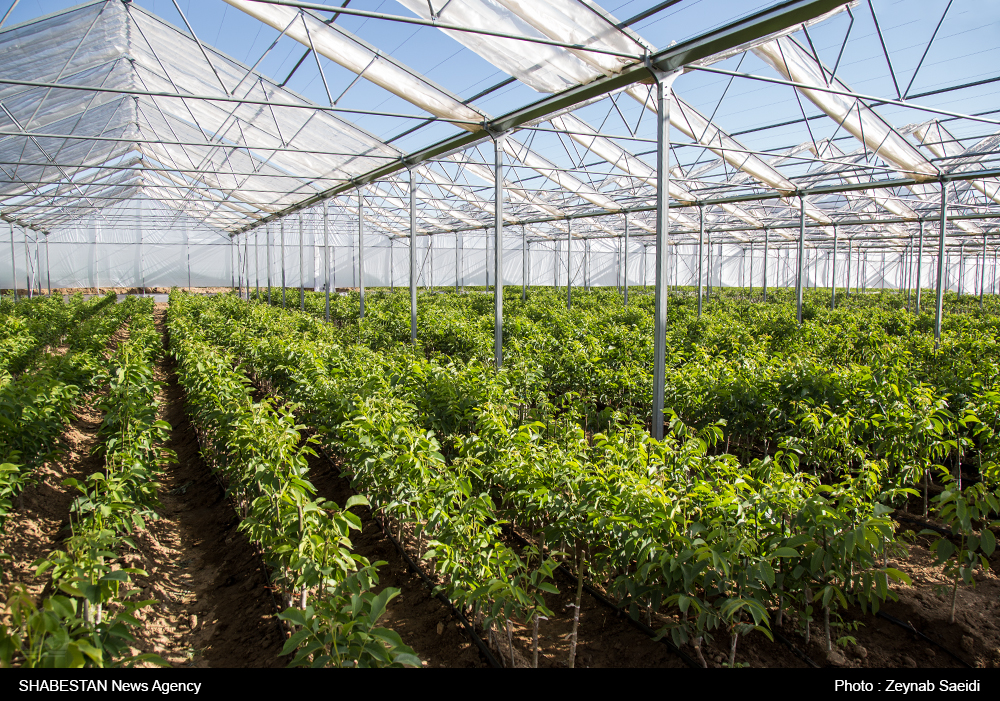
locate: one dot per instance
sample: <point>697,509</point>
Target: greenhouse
<point>685,311</point>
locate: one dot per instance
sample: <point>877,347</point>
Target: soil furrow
<point>213,607</point>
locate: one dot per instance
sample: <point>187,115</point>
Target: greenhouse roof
<point>105,101</point>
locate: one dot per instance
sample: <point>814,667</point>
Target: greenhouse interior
<point>638,154</point>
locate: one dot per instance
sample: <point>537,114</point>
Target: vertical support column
<point>766,255</point>
<point>961,266</point>
<point>267,240</point>
<point>459,250</point>
<point>282,232</point>
<point>847,282</point>
<point>586,265</point>
<point>569,263</point>
<point>708,262</point>
<point>27,265</point>
<point>361,251</point>
<point>751,268</point>
<point>833,275</point>
<point>625,291</point>
<point>939,299</point>
<point>498,251</point>
<point>413,257</point>
<point>799,261</point>
<point>326,256</point>
<point>701,258</point>
<point>302,266</point>
<point>256,259</point>
<point>48,267</point>
<point>187,249</point>
<point>664,98</point>
<point>555,266</point>
<point>524,264</point>
<point>982,271</point>
<point>13,263</point>
<point>920,264</point>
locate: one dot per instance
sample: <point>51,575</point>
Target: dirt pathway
<point>214,609</point>
<point>40,522</point>
<point>424,623</point>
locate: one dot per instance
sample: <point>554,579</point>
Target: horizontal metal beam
<point>775,18</point>
<point>222,98</point>
<point>442,25</point>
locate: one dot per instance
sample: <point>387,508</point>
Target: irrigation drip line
<point>611,604</point>
<point>414,567</point>
<point>791,646</point>
<point>925,524</point>
<point>906,626</point>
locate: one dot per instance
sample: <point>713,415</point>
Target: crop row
<point>90,621</point>
<point>256,448</point>
<point>702,539</point>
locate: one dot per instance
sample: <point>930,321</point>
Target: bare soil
<point>41,522</point>
<point>214,608</point>
<point>440,640</point>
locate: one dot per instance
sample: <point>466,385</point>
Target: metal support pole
<point>569,264</point>
<point>850,254</point>
<point>961,267</point>
<point>361,252</point>
<point>413,258</point>
<point>664,99</point>
<point>267,239</point>
<point>524,264</point>
<point>701,257</point>
<point>939,301</point>
<point>798,264</point>
<point>282,231</point>
<point>529,264</point>
<point>27,265</point>
<point>302,266</point>
<point>920,265</point>
<point>982,272</point>
<point>625,297</point>
<point>13,263</point>
<point>586,265</point>
<point>833,275</point>
<point>751,269</point>
<point>766,255</point>
<point>256,260</point>
<point>498,251</point>
<point>708,263</point>
<point>48,267</point>
<point>326,256</point>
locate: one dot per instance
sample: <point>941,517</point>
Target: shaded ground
<point>426,625</point>
<point>214,608</point>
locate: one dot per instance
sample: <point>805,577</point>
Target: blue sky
<point>967,49</point>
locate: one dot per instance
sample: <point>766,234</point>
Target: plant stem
<point>534,642</point>
<point>576,608</point>
<point>954,600</point>
<point>826,628</point>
